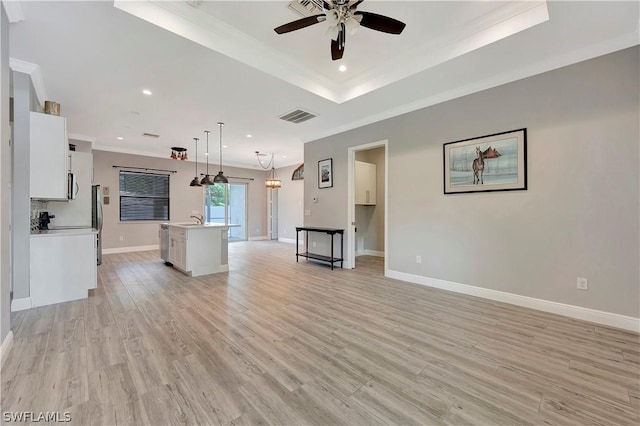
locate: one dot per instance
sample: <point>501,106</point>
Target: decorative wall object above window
<point>298,173</point>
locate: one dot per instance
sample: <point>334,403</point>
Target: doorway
<point>367,230</point>
<point>228,204</point>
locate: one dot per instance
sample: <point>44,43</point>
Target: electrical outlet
<point>313,244</point>
<point>582,284</point>
<point>315,199</point>
<point>418,259</point>
<point>121,237</point>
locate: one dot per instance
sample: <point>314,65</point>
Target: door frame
<point>351,201</point>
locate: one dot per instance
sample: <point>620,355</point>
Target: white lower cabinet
<point>198,250</point>
<point>62,267</point>
<point>178,247</point>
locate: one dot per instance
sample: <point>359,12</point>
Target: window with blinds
<point>143,196</point>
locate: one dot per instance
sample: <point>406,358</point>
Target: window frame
<point>145,219</point>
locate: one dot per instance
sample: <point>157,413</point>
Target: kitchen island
<point>196,249</point>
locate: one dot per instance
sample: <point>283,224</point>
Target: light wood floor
<point>275,342</point>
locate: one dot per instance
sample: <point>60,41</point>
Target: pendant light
<point>196,181</point>
<point>220,178</point>
<point>272,181</point>
<point>206,180</point>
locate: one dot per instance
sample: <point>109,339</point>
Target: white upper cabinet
<point>365,183</point>
<point>49,157</point>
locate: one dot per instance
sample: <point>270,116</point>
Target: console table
<point>330,231</point>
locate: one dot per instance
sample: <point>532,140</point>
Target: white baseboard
<point>130,249</point>
<point>260,238</point>
<point>375,253</point>
<point>291,241</point>
<point>20,304</point>
<point>586,314</point>
<point>6,345</point>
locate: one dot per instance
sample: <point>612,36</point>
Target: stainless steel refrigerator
<point>96,216</point>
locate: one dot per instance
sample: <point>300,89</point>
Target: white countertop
<point>193,225</point>
<point>65,232</point>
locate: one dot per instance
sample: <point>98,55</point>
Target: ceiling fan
<point>343,17</point>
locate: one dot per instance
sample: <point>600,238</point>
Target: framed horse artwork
<point>495,162</point>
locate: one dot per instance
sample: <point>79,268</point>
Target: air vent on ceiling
<point>151,135</point>
<point>306,7</point>
<point>297,116</point>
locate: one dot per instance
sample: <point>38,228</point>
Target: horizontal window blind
<point>144,196</point>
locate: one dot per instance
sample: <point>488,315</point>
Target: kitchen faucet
<point>199,218</point>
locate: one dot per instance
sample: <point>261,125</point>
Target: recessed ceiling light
<point>284,156</point>
<point>342,68</point>
<point>146,92</point>
<point>206,153</point>
<point>120,138</point>
<point>225,146</point>
<point>249,136</point>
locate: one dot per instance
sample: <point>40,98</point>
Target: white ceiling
<point>222,61</point>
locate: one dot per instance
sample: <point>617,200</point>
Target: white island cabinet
<point>197,250</point>
<point>63,265</point>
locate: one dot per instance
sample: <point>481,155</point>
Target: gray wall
<point>5,179</point>
<point>290,199</point>
<point>183,198</point>
<point>370,219</point>
<point>23,103</point>
<point>579,217</point>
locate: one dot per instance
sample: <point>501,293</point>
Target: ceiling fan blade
<point>380,22</point>
<point>300,23</point>
<point>336,51</point>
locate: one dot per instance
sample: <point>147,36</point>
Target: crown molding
<point>548,64</point>
<point>35,72</point>
<point>14,11</point>
<point>202,28</point>
<point>188,22</point>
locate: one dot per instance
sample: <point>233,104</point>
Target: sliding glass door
<point>228,204</point>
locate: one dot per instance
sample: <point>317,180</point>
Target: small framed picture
<point>325,173</point>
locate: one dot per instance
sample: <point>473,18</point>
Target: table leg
<point>341,251</point>
<point>332,252</point>
<point>297,232</point>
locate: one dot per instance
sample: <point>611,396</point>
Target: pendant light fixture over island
<point>196,181</point>
<point>206,180</point>
<point>220,177</point>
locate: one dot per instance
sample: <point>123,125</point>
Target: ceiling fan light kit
<point>343,18</point>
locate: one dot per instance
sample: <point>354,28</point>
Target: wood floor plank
<point>275,342</point>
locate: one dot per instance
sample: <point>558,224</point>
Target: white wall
<point>183,198</point>
<point>579,217</point>
<point>290,209</point>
